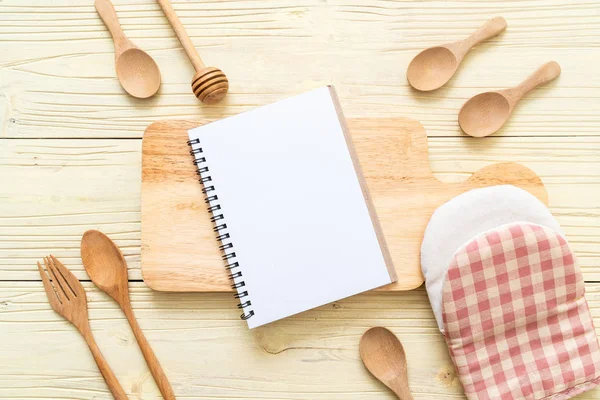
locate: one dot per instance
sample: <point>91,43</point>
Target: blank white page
<point>301,225</point>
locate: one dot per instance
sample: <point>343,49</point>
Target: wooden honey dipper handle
<point>182,35</point>
<point>209,84</point>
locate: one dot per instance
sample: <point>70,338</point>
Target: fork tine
<point>72,282</point>
<point>60,291</point>
<point>50,292</point>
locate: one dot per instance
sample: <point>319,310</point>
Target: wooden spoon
<point>433,67</point>
<point>137,72</point>
<point>485,113</point>
<point>383,355</point>
<point>209,84</point>
<point>107,268</point>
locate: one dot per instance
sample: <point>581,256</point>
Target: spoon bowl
<point>105,264</point>
<point>383,355</point>
<point>487,112</point>
<point>484,114</point>
<point>138,73</point>
<point>431,68</point>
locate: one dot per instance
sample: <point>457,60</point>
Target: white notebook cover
<point>296,206</point>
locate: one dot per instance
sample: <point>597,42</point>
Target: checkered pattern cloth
<point>516,320</point>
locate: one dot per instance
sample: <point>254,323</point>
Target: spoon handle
<point>490,29</point>
<point>155,369</point>
<point>182,35</point>
<point>109,16</point>
<point>402,390</point>
<point>542,75</point>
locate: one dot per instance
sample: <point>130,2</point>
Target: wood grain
<point>179,250</point>
<point>209,353</point>
<point>271,51</point>
<point>57,80</point>
<point>52,191</point>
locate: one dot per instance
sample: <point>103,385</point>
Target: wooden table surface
<point>70,141</point>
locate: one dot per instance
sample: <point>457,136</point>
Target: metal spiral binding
<point>218,219</point>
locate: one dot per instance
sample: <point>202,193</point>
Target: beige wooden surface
<point>70,161</point>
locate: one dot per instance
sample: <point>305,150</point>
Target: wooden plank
<point>51,191</point>
<point>207,352</point>
<point>58,80</point>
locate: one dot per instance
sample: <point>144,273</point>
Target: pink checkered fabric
<point>516,320</point>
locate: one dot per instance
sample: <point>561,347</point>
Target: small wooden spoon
<point>383,355</point>
<point>433,67</point>
<point>485,113</point>
<point>137,72</point>
<point>107,268</point>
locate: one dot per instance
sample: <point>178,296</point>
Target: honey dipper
<point>209,84</point>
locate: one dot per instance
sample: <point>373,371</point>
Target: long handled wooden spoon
<point>485,113</point>
<point>433,67</point>
<point>383,355</point>
<point>137,72</point>
<point>209,84</point>
<point>107,268</point>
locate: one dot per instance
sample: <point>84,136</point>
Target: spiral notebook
<point>290,207</point>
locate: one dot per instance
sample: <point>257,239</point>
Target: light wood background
<point>70,142</point>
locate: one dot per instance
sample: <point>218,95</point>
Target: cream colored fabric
<point>459,220</point>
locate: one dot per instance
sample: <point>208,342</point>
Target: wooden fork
<point>67,297</point>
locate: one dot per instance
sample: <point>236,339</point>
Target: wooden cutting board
<point>179,249</point>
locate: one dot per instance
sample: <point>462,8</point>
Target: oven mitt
<point>468,215</point>
<point>516,320</point>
